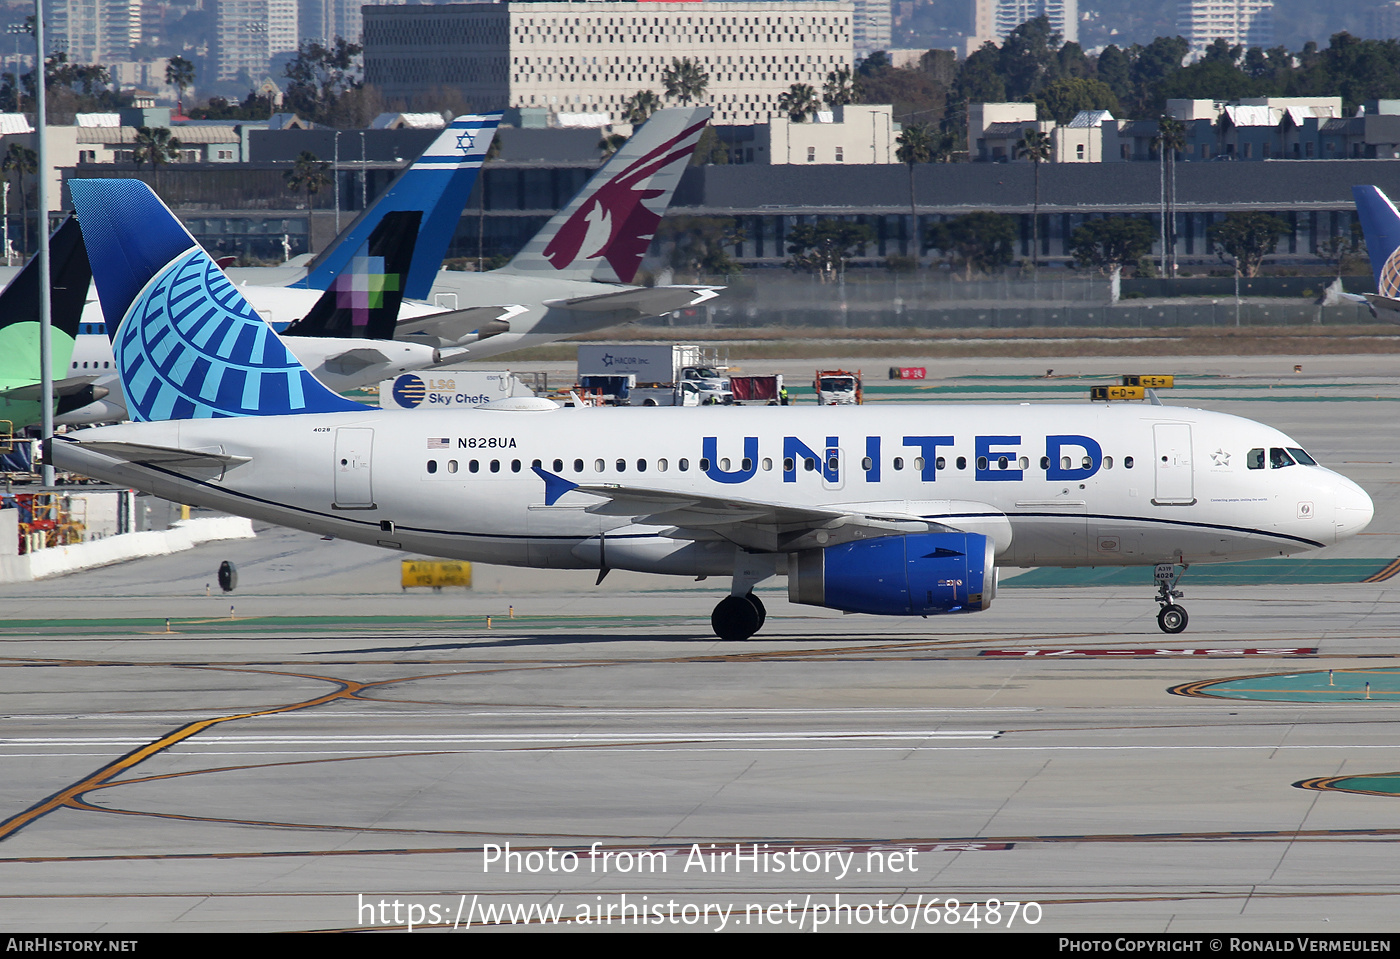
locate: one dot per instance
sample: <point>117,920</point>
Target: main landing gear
<point>736,618</point>
<point>741,614</point>
<point>1171,618</point>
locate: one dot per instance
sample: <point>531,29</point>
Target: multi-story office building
<point>94,31</point>
<point>251,33</point>
<point>1248,22</point>
<point>589,58</point>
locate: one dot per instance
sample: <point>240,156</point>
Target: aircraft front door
<point>1175,483</point>
<point>353,486</point>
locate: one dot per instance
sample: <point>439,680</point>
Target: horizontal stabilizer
<point>641,301</point>
<point>164,455</point>
<point>68,387</point>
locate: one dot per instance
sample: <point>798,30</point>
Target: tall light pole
<point>45,303</point>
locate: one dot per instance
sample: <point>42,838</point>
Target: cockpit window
<point>1255,459</point>
<point>1302,457</point>
<point>1279,458</point>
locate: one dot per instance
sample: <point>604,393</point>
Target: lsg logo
<point>1305,510</point>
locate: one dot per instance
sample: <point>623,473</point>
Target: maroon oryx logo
<point>615,222</point>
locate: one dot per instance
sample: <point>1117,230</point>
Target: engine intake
<point>910,575</point>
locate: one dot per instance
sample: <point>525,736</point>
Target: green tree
<point>700,245</point>
<point>975,242</point>
<point>320,75</point>
<point>1036,147</point>
<point>800,102</point>
<point>840,88</point>
<point>916,145</point>
<point>639,107</point>
<point>825,248</point>
<point>1029,58</point>
<point>179,73</point>
<point>1109,243</point>
<point>156,145</point>
<point>20,161</point>
<point>685,80</point>
<point>1066,97</point>
<point>311,175</point>
<point>1247,238</point>
<point>1171,140</point>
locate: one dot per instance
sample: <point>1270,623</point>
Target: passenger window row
<point>790,465</point>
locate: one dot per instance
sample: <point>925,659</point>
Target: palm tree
<point>308,173</point>
<point>840,88</point>
<point>1036,147</point>
<point>915,146</point>
<point>685,80</point>
<point>179,73</point>
<point>20,160</point>
<point>1171,140</point>
<point>639,107</point>
<point>799,102</point>
<point>155,144</point>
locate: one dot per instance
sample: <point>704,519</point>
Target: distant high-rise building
<point>1010,14</point>
<point>871,26</point>
<point>94,31</point>
<point>251,33</point>
<point>324,20</point>
<point>1247,22</point>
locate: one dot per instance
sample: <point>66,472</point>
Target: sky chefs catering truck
<point>450,388</point>
<point>665,375</point>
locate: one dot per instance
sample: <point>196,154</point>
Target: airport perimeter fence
<point>998,303</point>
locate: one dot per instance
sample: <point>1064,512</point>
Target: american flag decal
<point>437,444</point>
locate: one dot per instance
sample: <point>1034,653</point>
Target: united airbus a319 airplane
<point>870,509</point>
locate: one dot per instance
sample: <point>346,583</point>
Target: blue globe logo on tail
<point>409,391</point>
<point>190,346</point>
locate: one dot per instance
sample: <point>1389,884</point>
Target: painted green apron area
<point>1322,686</point>
<point>1379,784</point>
<point>1256,572</point>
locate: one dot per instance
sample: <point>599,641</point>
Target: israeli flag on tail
<point>1381,224</point>
<point>188,344</point>
<point>438,184</point>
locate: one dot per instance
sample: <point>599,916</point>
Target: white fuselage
<point>460,484</point>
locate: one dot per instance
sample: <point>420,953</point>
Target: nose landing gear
<point>1171,618</point>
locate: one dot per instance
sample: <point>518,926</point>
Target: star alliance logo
<point>1220,458</point>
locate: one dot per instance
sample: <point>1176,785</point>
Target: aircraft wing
<point>752,524</point>
<point>474,323</point>
<point>640,301</point>
<point>1382,307</point>
<point>164,455</point>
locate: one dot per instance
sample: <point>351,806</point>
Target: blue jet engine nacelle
<point>909,575</point>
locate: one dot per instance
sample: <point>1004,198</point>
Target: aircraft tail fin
<point>437,184</point>
<point>363,301</point>
<point>187,344</point>
<point>69,274</point>
<point>1381,224</point>
<point>605,230</point>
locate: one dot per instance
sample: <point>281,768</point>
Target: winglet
<point>1381,224</point>
<point>186,342</point>
<point>554,486</point>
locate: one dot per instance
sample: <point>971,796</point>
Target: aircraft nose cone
<point>1354,509</point>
